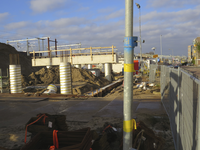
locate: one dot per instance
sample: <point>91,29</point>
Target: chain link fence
<point>152,72</point>
<point>180,97</point>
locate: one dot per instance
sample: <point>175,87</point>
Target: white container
<point>95,72</point>
<point>52,87</point>
<point>15,79</point>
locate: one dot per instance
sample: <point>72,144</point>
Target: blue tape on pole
<point>130,43</point>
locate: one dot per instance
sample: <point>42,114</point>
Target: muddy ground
<point>158,123</point>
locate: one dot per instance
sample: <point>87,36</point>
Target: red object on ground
<point>39,117</point>
<point>55,139</point>
<point>136,66</point>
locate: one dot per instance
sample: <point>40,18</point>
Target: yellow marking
<point>129,125</point>
<point>129,68</point>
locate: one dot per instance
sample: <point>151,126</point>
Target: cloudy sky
<point>101,22</point>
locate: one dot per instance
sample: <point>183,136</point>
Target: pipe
<point>93,93</point>
<point>65,78</point>
<point>15,78</point>
<point>129,43</point>
<point>108,71</point>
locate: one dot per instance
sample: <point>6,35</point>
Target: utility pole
<point>129,43</point>
<point>27,46</point>
<point>138,6</point>
<point>39,46</point>
<point>161,46</point>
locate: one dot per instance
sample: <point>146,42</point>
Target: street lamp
<point>172,54</point>
<point>153,48</point>
<point>138,6</point>
<point>161,46</point>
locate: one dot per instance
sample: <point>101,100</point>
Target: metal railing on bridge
<point>75,52</point>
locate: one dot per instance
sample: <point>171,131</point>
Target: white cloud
<point>17,25</point>
<point>3,15</point>
<point>172,3</point>
<point>84,8</point>
<point>40,6</point>
<point>106,10</point>
<point>63,22</point>
<point>116,14</point>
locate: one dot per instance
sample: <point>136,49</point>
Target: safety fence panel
<point>188,111</point>
<point>179,91</point>
<point>152,72</point>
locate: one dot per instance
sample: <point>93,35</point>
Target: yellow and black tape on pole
<point>129,67</point>
<point>129,125</point>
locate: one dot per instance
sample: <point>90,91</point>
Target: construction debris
<point>145,139</point>
<point>46,122</point>
<point>61,140</point>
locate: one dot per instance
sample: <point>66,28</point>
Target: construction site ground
<point>82,112</point>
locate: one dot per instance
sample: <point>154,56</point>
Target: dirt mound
<point>85,75</point>
<point>25,61</point>
<point>48,76</point>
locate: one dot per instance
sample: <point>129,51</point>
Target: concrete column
<point>89,66</point>
<point>108,71</point>
<point>103,68</point>
<point>78,66</point>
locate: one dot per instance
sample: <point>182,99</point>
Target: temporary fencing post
<point>198,103</point>
<point>178,111</point>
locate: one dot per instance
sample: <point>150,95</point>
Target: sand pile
<point>25,61</point>
<point>48,76</point>
<point>82,79</point>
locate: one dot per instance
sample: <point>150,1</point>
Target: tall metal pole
<point>129,43</point>
<point>48,46</point>
<point>56,46</point>
<point>39,46</point>
<point>43,46</point>
<point>161,46</point>
<point>27,48</point>
<point>140,36</point>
